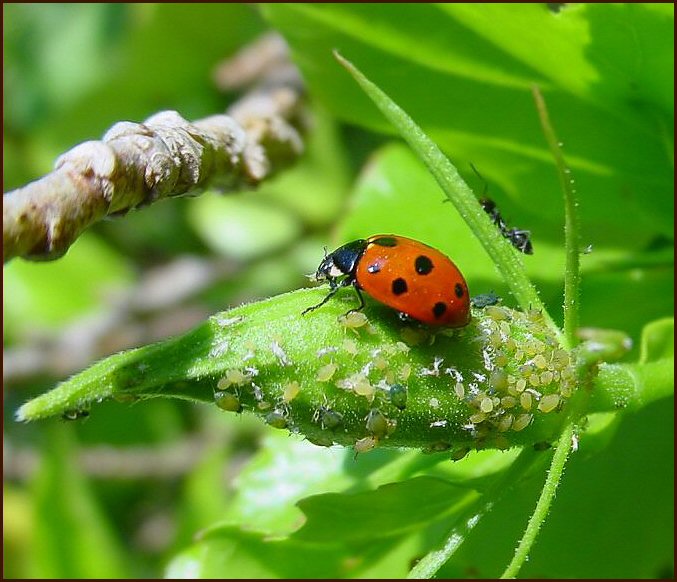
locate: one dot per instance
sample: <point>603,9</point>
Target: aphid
<point>485,300</point>
<point>276,419</point>
<point>227,401</point>
<point>398,395</point>
<point>330,418</point>
<point>365,444</point>
<point>325,373</point>
<point>377,423</point>
<point>291,391</point>
<point>460,453</point>
<point>402,273</point>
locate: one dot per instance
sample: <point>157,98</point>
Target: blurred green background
<point>124,492</point>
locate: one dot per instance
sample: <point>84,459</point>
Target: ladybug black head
<point>341,262</point>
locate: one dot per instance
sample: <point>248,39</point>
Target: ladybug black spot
<point>373,269</point>
<point>439,309</point>
<point>399,286</point>
<point>385,241</point>
<point>458,289</point>
<point>423,265</point>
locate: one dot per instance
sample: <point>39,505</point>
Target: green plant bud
<point>500,381</point>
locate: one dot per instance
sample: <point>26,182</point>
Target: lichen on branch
<point>136,164</point>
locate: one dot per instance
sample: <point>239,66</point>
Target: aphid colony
<point>370,392</point>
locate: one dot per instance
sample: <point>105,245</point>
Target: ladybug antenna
<point>313,276</point>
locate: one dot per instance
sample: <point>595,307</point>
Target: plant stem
<point>562,451</point>
<point>572,275</point>
<point>571,286</point>
<point>577,406</point>
<point>433,561</point>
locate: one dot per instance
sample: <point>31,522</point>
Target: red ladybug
<point>402,273</point>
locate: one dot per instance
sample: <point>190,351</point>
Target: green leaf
<point>52,294</point>
<point>237,554</point>
<point>268,487</point>
<point>376,533</point>
<point>391,510</point>
<point>612,283</point>
<point>658,341</point>
<point>284,470</point>
<point>606,72</point>
<point>242,227</point>
<point>601,71</point>
<point>72,537</point>
<point>267,490</point>
<point>230,553</point>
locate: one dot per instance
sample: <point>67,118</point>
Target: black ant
<point>517,237</point>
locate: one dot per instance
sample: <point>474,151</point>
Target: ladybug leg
<point>359,296</point>
<point>334,287</point>
<point>405,318</point>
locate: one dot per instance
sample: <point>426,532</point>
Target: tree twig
<point>265,58</point>
<point>136,164</point>
<point>166,461</point>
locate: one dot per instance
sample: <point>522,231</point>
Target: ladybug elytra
<point>409,276</point>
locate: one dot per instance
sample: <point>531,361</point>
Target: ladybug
<point>407,275</point>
